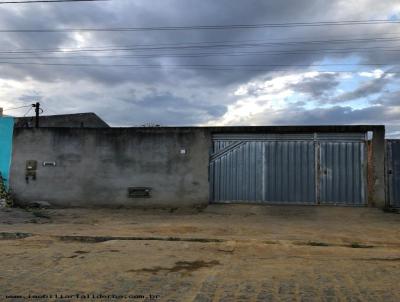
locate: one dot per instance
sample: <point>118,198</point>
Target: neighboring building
<point>78,120</point>
<point>6,138</point>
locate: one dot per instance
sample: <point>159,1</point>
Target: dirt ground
<point>222,253</point>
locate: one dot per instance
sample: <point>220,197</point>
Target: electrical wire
<point>29,110</point>
<point>201,45</point>
<point>47,108</point>
<point>201,54</point>
<point>221,53</point>
<point>205,65</point>
<point>68,54</point>
<point>239,42</point>
<point>178,67</point>
<point>7,109</point>
<point>206,27</point>
<point>50,110</point>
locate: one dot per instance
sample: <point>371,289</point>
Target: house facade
<point>195,166</point>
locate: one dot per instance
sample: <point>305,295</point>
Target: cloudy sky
<point>225,75</point>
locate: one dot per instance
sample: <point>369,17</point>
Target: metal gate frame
<point>317,138</point>
<point>389,174</point>
<point>363,160</point>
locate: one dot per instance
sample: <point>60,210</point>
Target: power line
<point>198,67</point>
<point>239,42</point>
<point>207,27</point>
<point>29,110</point>
<point>220,53</point>
<point>195,55</point>
<point>15,108</point>
<point>51,111</point>
<point>225,53</point>
<point>47,108</point>
<point>269,52</point>
<point>46,1</point>
<point>153,47</point>
<point>173,54</point>
<point>203,65</point>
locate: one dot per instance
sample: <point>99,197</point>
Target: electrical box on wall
<point>30,170</point>
<point>31,165</point>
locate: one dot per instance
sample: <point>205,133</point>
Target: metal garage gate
<point>393,170</point>
<point>288,168</point>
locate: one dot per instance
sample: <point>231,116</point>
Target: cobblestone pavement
<point>233,268</point>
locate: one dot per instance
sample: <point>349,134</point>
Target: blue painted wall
<point>6,138</point>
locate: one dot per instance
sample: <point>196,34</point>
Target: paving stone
<point>202,298</point>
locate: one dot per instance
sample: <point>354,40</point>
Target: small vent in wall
<point>49,164</point>
<point>139,192</point>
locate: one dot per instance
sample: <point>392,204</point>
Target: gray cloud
<point>33,96</point>
<point>140,13</point>
<point>388,99</point>
<point>318,87</point>
<point>190,95</point>
<point>365,90</point>
<point>168,109</point>
<point>335,115</point>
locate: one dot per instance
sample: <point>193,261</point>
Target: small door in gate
<point>342,172</point>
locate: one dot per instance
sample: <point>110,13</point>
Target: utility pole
<point>37,110</point>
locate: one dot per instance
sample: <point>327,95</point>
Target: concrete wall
<point>378,184</point>
<point>95,167</point>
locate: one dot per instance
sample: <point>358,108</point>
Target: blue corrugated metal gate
<point>393,170</point>
<point>342,171</point>
<point>6,136</point>
<point>288,168</point>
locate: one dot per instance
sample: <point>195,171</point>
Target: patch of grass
<point>96,239</point>
<point>40,214</point>
<point>382,259</point>
<point>180,266</point>
<point>271,241</point>
<point>11,236</point>
<point>356,245</point>
<point>317,243</point>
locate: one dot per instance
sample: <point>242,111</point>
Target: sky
<point>265,75</point>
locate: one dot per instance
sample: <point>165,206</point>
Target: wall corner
<point>377,196</point>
